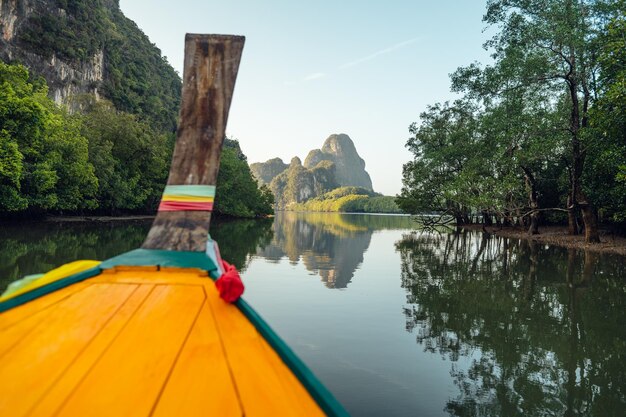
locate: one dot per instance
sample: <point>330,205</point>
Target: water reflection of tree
<point>239,239</point>
<point>39,247</point>
<point>543,326</point>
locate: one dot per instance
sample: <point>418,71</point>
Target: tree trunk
<point>506,220</point>
<point>590,219</point>
<point>578,160</point>
<point>572,224</point>
<point>533,200</point>
<point>487,220</point>
<point>533,229</point>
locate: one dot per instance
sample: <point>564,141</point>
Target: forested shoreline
<point>350,200</point>
<point>539,134</point>
<point>98,160</point>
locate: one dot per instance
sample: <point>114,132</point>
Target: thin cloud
<point>379,53</point>
<point>315,76</point>
<point>310,77</point>
<point>318,75</point>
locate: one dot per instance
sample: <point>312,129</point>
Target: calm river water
<point>401,322</point>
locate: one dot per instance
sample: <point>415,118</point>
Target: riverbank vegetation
<point>99,160</point>
<point>539,134</point>
<point>350,200</point>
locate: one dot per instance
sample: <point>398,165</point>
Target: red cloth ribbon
<point>185,206</point>
<point>229,284</point>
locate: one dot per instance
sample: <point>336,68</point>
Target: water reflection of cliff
<point>330,245</point>
<point>544,327</point>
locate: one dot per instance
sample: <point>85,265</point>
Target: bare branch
<point>543,209</point>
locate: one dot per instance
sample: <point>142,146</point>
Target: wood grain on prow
<point>210,71</point>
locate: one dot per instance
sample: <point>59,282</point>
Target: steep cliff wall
<point>89,46</point>
<point>266,171</point>
<point>349,166</point>
<point>297,183</point>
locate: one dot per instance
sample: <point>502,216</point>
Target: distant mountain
<point>349,166</point>
<point>297,184</point>
<point>265,172</point>
<point>89,46</point>
<point>336,164</point>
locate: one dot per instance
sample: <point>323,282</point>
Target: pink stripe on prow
<point>185,206</point>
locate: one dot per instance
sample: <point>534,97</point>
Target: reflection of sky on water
<point>354,340</point>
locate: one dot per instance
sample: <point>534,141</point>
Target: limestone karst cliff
<point>297,183</point>
<point>265,172</point>
<point>349,166</point>
<point>83,46</point>
<point>336,164</point>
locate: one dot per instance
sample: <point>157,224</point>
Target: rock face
<point>349,166</point>
<point>265,172</point>
<point>90,47</point>
<point>65,78</point>
<point>297,184</point>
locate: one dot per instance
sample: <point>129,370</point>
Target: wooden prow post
<point>211,65</point>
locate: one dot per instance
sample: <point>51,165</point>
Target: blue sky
<point>311,69</point>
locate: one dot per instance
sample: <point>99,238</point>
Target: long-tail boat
<point>149,333</point>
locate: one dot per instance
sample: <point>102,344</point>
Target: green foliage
<point>44,159</point>
<point>76,30</point>
<point>379,204</point>
<point>543,123</point>
<point>130,157</point>
<point>443,145</point>
<point>605,138</point>
<point>139,80</point>
<point>329,204</point>
<point>11,164</point>
<point>237,192</point>
<point>350,200</point>
<point>345,191</point>
<point>101,159</point>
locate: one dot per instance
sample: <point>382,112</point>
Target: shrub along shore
<point>98,160</point>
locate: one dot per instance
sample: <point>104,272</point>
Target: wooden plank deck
<point>141,342</point>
